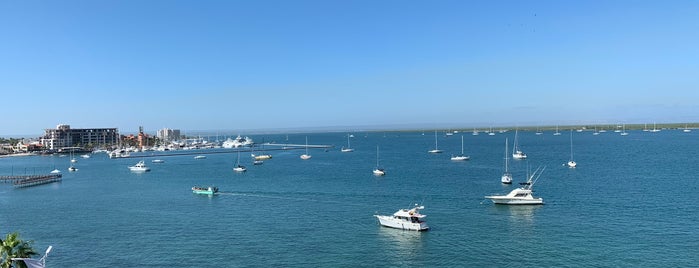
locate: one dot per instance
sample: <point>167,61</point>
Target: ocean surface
<point>632,202</point>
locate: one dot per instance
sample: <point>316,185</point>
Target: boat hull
<point>515,201</point>
<point>390,221</point>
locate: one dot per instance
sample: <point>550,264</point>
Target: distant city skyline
<point>295,65</point>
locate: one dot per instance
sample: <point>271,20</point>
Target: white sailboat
<point>557,133</point>
<point>571,163</point>
<point>306,156</point>
<point>238,167</point>
<point>435,151</point>
<point>686,130</point>
<point>378,171</point>
<point>516,152</point>
<point>348,149</point>
<point>506,177</point>
<point>654,129</point>
<point>460,157</point>
<point>623,130</point>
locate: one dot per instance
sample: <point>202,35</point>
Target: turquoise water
<point>632,201</point>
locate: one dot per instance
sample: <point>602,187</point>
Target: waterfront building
<point>64,136</point>
<point>167,134</point>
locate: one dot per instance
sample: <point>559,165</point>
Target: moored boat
<point>521,195</point>
<point>139,167</point>
<point>406,219</point>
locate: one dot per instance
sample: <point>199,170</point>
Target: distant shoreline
<point>438,127</point>
<point>19,154</point>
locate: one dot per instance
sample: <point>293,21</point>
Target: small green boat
<point>205,190</point>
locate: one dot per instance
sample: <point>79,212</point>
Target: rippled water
<point>631,202</point>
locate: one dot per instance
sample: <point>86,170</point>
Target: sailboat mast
<point>571,145</point>
<point>435,140</point>
<point>377,156</point>
<point>462,144</point>
<point>506,151</point>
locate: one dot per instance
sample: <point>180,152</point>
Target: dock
<point>20,181</point>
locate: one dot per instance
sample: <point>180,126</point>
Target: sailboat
<point>378,171</point>
<point>654,129</point>
<point>306,156</point>
<point>686,129</point>
<point>557,133</point>
<point>623,131</point>
<point>516,152</point>
<point>506,177</point>
<point>435,151</point>
<point>571,163</point>
<point>72,161</point>
<point>461,157</point>
<point>348,149</point>
<point>238,167</point>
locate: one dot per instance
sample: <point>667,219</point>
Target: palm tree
<point>13,247</point>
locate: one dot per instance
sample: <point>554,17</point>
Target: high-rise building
<point>167,134</point>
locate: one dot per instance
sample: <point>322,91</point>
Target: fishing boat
<point>139,167</point>
<point>460,157</point>
<point>348,149</point>
<point>521,195</point>
<point>378,171</point>
<point>506,176</point>
<point>210,190</point>
<point>516,152</point>
<point>406,219</point>
<point>435,151</point>
<point>306,156</point>
<point>571,163</point>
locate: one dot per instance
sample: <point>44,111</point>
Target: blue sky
<point>249,65</point>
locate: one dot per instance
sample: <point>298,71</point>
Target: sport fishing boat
<point>521,195</point>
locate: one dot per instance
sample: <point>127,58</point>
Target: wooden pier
<point>31,180</point>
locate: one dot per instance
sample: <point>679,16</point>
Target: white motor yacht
<point>139,167</point>
<point>406,219</point>
<point>237,142</point>
<point>521,195</point>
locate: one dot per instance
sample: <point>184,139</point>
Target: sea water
<point>632,201</point>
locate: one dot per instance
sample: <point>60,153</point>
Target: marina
<point>328,203</point>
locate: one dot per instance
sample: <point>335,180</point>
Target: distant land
<point>402,128</point>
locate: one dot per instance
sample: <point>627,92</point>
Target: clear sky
<point>244,65</point>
